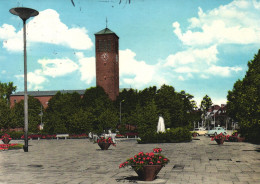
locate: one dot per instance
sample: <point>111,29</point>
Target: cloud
<point>193,56</point>
<point>181,78</point>
<point>35,79</point>
<point>201,62</point>
<point>46,28</point>
<point>138,74</point>
<point>57,67</point>
<point>235,23</point>
<point>223,71</point>
<point>87,67</point>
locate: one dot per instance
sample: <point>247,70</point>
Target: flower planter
<point>104,145</point>
<point>220,141</point>
<point>6,140</point>
<point>147,172</point>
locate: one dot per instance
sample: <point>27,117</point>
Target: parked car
<point>215,131</point>
<point>200,131</point>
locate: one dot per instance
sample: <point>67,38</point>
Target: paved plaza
<point>79,161</point>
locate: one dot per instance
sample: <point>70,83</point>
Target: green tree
<point>5,115</point>
<point>98,103</point>
<point>146,117</point>
<point>168,101</point>
<point>81,122</point>
<point>6,90</point>
<point>244,101</point>
<point>129,101</point>
<point>108,119</point>
<point>34,109</point>
<point>205,106</point>
<point>206,103</point>
<point>60,108</point>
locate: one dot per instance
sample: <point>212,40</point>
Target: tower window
<point>104,46</point>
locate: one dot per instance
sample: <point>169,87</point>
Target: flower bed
<point>78,136</point>
<point>120,136</point>
<point>10,146</point>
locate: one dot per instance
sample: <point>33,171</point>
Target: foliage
<point>15,146</point>
<point>80,122</point>
<point>243,103</point>
<point>15,135</point>
<point>141,159</point>
<point>146,118</point>
<point>34,109</point>
<point>6,90</point>
<point>98,103</point>
<point>206,103</point>
<point>59,111</point>
<point>5,115</point>
<point>10,146</point>
<point>180,134</point>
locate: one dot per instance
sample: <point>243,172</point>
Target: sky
<point>201,47</point>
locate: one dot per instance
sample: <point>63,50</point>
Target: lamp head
<point>24,13</point>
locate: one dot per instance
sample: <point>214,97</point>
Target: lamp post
<point>120,110</point>
<point>24,14</point>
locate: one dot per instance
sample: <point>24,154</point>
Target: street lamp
<point>120,110</point>
<point>24,14</point>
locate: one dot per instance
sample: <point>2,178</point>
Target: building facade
<point>42,96</point>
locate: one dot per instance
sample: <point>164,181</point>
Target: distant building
<point>43,96</point>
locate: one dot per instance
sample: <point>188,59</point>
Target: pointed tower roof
<point>105,31</point>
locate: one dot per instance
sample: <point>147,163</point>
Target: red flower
<point>151,158</point>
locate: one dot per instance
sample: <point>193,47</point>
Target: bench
<point>62,135</point>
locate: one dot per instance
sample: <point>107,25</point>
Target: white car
<point>201,131</point>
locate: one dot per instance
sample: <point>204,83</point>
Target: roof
<point>105,31</point>
<point>48,93</point>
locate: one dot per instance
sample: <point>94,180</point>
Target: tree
<point>60,108</point>
<point>108,119</point>
<point>205,106</point>
<point>34,109</point>
<point>5,115</point>
<point>146,117</point>
<point>6,90</point>
<point>205,103</point>
<point>168,102</point>
<point>81,122</point>
<point>147,95</point>
<point>97,101</point>
<point>244,101</point>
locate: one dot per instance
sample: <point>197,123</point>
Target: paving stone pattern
<point>79,161</point>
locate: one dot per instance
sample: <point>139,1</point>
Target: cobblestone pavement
<point>79,161</point>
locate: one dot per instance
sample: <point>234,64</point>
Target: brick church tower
<point>107,62</point>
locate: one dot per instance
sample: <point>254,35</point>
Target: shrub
<point>176,135</point>
<point>13,135</point>
<point>15,146</point>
